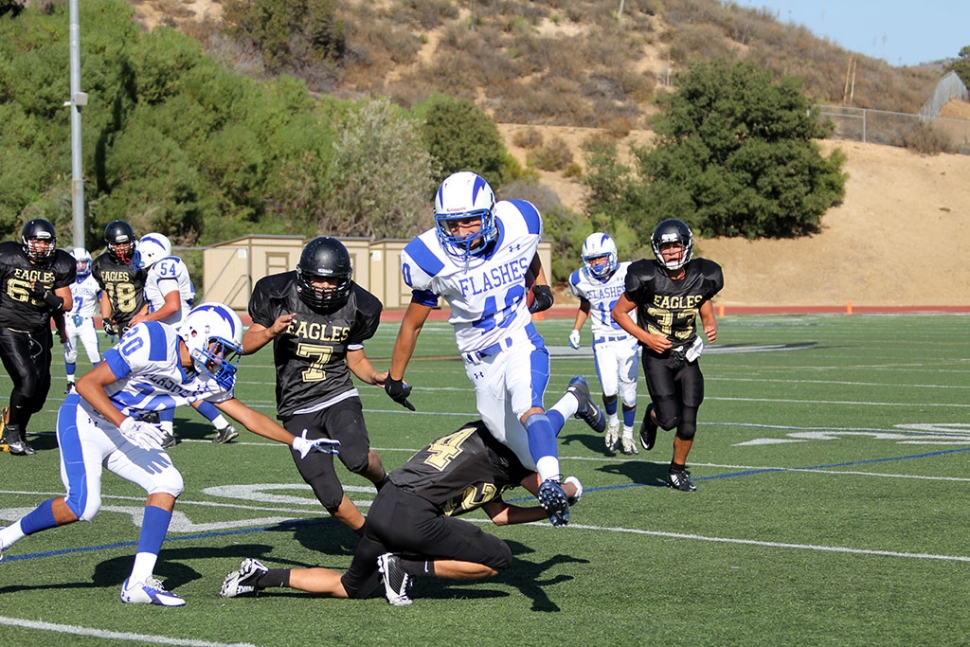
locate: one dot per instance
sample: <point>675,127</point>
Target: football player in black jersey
<point>318,320</point>
<point>415,513</point>
<point>122,285</point>
<point>35,284</point>
<point>669,293</point>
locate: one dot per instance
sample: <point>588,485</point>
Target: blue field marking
<point>205,535</point>
<point>605,488</point>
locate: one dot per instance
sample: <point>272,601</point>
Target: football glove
<point>399,392</point>
<point>39,292</point>
<point>143,434</point>
<point>573,500</point>
<point>109,327</point>
<point>543,298</point>
<point>574,339</point>
<point>304,445</point>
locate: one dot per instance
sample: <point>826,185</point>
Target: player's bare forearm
<point>582,312</point>
<point>91,388</point>
<point>407,338</point>
<point>709,321</point>
<point>503,514</point>
<point>105,306</point>
<point>360,366</point>
<point>258,335</point>
<point>256,422</point>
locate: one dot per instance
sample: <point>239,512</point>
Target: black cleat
<point>589,412</point>
<point>648,430</point>
<point>11,441</point>
<point>680,480</point>
<point>396,581</point>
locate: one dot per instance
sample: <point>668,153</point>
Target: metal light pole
<point>78,99</point>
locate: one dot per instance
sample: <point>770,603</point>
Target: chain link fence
<point>898,128</point>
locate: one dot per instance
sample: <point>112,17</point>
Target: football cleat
<point>648,430</point>
<point>612,435</point>
<point>589,412</point>
<point>553,500</point>
<point>680,480</point>
<point>150,591</point>
<point>70,388</point>
<point>169,441</point>
<point>243,581</point>
<point>629,446</point>
<point>28,450</point>
<point>225,435</point>
<point>11,441</point>
<point>396,581</point>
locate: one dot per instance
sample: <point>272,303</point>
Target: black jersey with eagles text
<point>124,285</point>
<point>18,310</point>
<point>462,471</point>
<point>668,307</point>
<point>310,354</point>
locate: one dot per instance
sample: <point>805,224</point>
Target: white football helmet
<point>464,195</point>
<point>151,249</point>
<point>83,260</point>
<point>672,231</point>
<point>213,334</point>
<point>599,245</point>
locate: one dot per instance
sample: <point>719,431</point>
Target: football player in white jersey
<point>599,284</point>
<point>79,322</point>
<point>169,294</point>
<point>481,258</point>
<point>151,367</point>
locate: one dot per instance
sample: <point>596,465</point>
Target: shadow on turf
<point>638,471</point>
<point>524,575</point>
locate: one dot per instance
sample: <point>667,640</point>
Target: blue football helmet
<point>213,334</point>
<point>599,245</point>
<point>461,196</point>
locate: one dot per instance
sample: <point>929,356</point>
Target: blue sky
<point>902,32</point>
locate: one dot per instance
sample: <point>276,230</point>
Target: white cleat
<point>612,435</point>
<point>150,591</point>
<point>630,446</point>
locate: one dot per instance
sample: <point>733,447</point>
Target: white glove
<point>574,339</point>
<point>573,500</point>
<point>143,434</point>
<point>305,446</point>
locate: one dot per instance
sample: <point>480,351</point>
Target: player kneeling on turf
<point>415,513</point>
<point>151,368</point>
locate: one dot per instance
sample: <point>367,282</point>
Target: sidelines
<point>75,630</point>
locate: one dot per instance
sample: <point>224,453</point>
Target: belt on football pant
<point>600,340</point>
<point>476,356</point>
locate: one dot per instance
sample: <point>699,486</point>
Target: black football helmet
<point>672,231</point>
<point>120,240</point>
<point>324,257</point>
<point>38,229</point>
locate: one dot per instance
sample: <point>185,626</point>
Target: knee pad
<point>503,561</point>
<point>168,482</point>
<point>688,424</point>
<point>668,412</point>
<point>84,510</point>
<point>628,394</point>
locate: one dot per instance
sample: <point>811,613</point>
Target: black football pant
<point>27,358</point>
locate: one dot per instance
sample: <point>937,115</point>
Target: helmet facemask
<point>324,298</point>
<point>672,232</point>
<point>213,335</point>
<point>465,196</point>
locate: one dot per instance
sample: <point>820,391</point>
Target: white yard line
<point>103,634</point>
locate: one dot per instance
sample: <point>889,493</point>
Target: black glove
<point>109,327</point>
<point>543,298</point>
<point>399,392</point>
<point>39,292</point>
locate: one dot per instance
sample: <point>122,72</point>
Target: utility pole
<point>78,99</point>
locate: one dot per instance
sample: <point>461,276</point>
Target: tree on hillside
<point>381,176</point>
<point>962,66</point>
<point>288,33</point>
<point>734,157</point>
<point>461,137</point>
